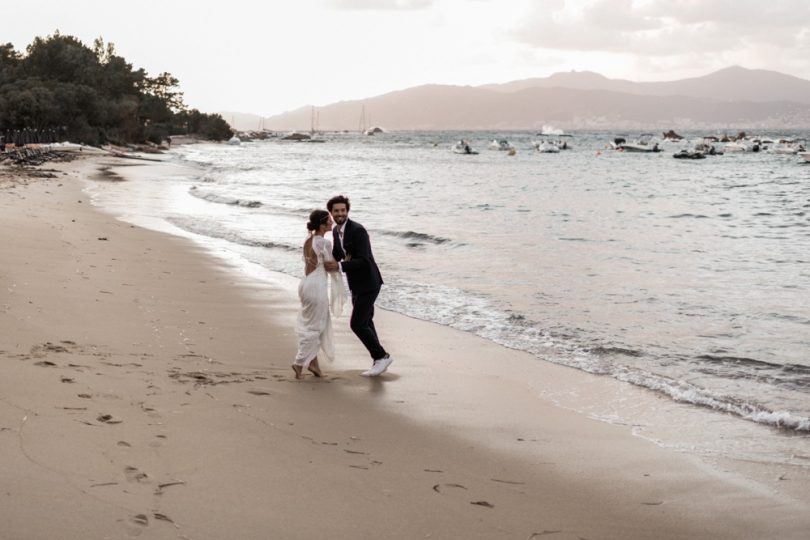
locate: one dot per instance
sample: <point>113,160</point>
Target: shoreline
<point>735,436</point>
<point>194,360</point>
<point>511,316</point>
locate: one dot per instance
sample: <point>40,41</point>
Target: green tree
<point>93,95</point>
<point>164,88</point>
<point>61,58</point>
<point>9,59</point>
<point>207,126</point>
<point>33,107</point>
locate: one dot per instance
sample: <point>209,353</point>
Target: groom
<point>352,250</point>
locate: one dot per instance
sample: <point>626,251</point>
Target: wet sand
<point>146,390</point>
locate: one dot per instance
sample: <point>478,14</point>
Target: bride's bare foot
<point>315,368</point>
<point>298,371</point>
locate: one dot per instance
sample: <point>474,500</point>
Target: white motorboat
<point>736,147</point>
<point>501,144</point>
<point>463,147</point>
<point>618,141</point>
<point>546,146</point>
<point>644,143</point>
<point>783,148</point>
<point>706,147</point>
<point>787,146</point>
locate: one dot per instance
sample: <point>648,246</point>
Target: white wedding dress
<point>314,324</point>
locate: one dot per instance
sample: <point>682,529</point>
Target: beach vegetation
<point>94,96</point>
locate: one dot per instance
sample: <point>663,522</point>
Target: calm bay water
<point>690,278</point>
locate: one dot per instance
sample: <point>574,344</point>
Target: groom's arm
<point>360,253</point>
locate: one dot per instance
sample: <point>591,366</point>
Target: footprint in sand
<point>442,489</point>
<point>151,412</point>
<point>134,475</point>
<point>544,533</point>
<point>159,442</point>
<point>512,482</point>
<point>136,524</point>
<point>161,487</point>
<point>39,351</point>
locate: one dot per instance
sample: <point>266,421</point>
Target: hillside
<point>730,98</point>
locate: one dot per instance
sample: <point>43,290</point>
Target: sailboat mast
<point>363,120</point>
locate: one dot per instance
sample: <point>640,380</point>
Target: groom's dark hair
<point>338,199</point>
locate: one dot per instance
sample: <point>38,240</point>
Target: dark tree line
<point>93,96</point>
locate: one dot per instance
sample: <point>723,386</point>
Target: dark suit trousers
<point>362,322</point>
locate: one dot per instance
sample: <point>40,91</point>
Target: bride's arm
<point>328,256</point>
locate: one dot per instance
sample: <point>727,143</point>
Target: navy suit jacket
<point>361,271</point>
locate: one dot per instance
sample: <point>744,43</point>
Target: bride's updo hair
<point>316,219</point>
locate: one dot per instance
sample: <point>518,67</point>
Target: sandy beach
<point>146,390</point>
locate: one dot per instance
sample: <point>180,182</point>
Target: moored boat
<point>644,143</point>
<point>736,147</point>
<point>501,144</point>
<point>787,146</point>
<point>707,147</point>
<point>689,154</point>
<point>546,146</point>
<point>463,147</point>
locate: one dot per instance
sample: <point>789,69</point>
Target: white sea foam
<point>220,199</point>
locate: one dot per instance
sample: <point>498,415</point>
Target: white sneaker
<point>380,365</point>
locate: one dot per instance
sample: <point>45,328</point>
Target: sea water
<point>690,278</point>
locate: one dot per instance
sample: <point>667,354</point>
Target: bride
<point>314,324</point>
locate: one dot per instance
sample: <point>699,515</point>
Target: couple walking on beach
<point>349,252</point>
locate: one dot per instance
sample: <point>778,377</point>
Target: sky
<point>267,57</point>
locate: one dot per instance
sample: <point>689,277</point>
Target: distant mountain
<point>730,84</point>
<point>576,80</point>
<point>728,99</point>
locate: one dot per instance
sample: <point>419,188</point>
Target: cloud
<point>737,13</point>
<point>618,15</point>
<point>666,27</point>
<point>381,4</point>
